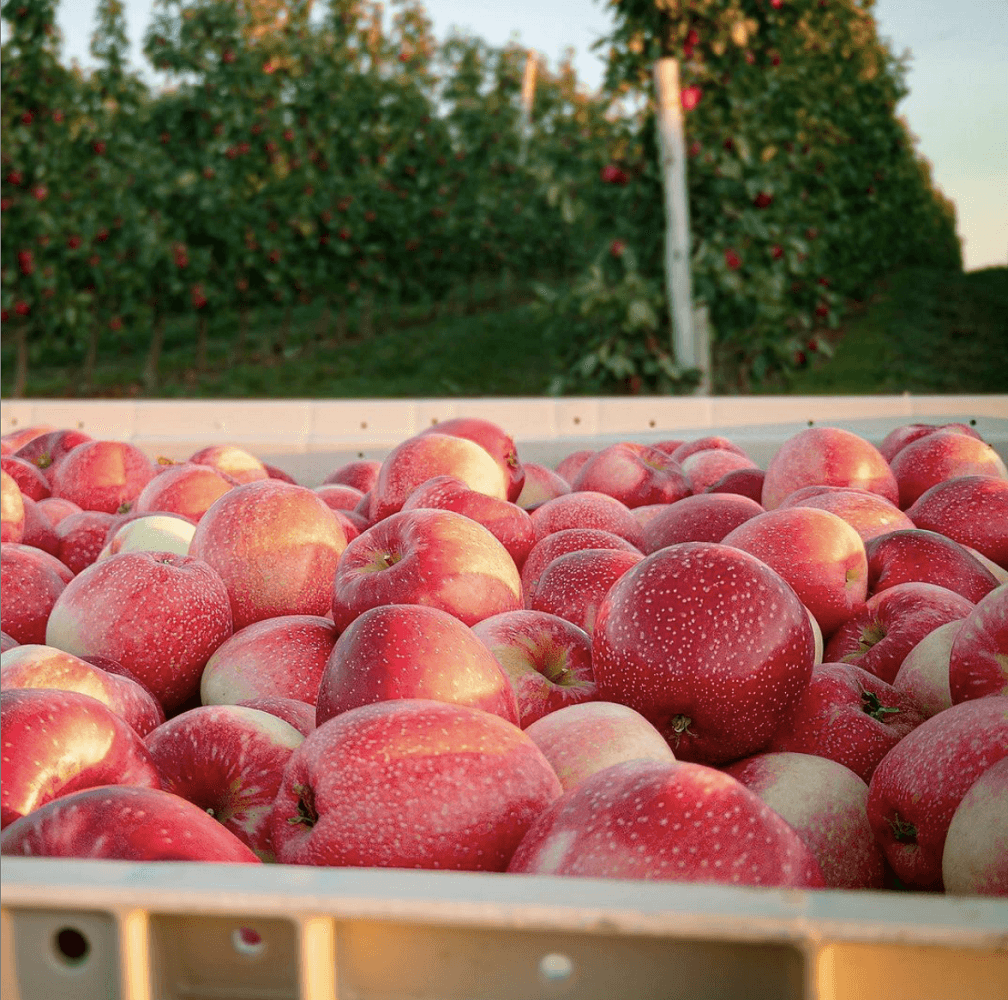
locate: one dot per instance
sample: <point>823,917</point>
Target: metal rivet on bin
<point>555,967</point>
<point>72,947</point>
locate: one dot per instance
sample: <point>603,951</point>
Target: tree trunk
<point>154,354</point>
<point>21,369</point>
<point>201,343</point>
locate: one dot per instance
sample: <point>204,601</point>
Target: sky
<point>957,106</point>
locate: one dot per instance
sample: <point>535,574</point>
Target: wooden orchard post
<point>527,96</point>
<point>678,285</point>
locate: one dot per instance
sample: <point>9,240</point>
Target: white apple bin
<point>104,929</point>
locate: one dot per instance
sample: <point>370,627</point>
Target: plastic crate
<point>96,929</point>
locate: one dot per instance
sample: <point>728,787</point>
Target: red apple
<point>433,557</point>
<point>581,740</point>
<point>411,651</point>
<point>568,467</point>
<point>277,473</point>
<point>361,474</point>
<point>282,656</point>
<point>711,442</point>
<point>150,533</point>
<point>159,615</point>
<point>917,787</point>
<point>506,521</point>
<point>45,450</point>
<point>879,636</point>
<point>38,530</point>
<point>923,675</point>
<point>232,463</point>
<point>827,456</point>
<point>411,784</point>
<point>709,644</point>
<point>185,488</point>
<point>824,803</point>
<point>12,514</point>
<point>706,517</point>
<point>705,468</point>
<point>30,480</point>
<point>275,546</point>
<point>745,482</point>
<point>56,508</point>
<point>81,537</point>
<point>36,666</point>
<point>494,440</point>
<point>227,760</point>
<point>573,585</point>
<point>971,510</point>
<point>30,582</point>
<point>126,824</point>
<point>102,475</point>
<point>900,437</point>
<point>634,474</point>
<point>587,509</point>
<point>974,859</point>
<point>559,543</point>
<point>941,456</point>
<point>869,514</point>
<point>978,660</point>
<point>58,742</point>
<point>916,555</point>
<point>847,715</point>
<point>428,455</point>
<point>339,496</point>
<point>546,659</point>
<point>298,714</point>
<point>541,484</point>
<point>668,445</point>
<point>13,440</point>
<point>672,821</point>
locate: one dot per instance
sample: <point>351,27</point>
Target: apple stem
<point>903,832</point>
<point>872,633</point>
<point>871,705</point>
<point>306,813</point>
<point>680,725</point>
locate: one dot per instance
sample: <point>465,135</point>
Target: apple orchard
<point>357,161</point>
<point>652,661</point>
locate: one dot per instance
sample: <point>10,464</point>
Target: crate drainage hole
<point>72,947</point>
<point>248,942</point>
<point>555,968</point>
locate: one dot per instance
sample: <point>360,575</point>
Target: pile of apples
<point>655,661</point>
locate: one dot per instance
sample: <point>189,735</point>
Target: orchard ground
<point>920,331</point>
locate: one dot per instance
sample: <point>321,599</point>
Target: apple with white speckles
<point>709,466</point>
<point>361,474</point>
<point>30,583</point>
<point>670,821</point>
<point>494,440</point>
<point>185,488</point>
<point>411,783</point>
<point>411,651</point>
<point>869,514</point>
<point>102,475</point>
<point>228,760</point>
<point>709,644</point>
<point>58,742</point>
<point>546,658</point>
<point>587,509</point>
<point>159,615</point>
<point>978,660</point>
<point>923,675</point>
<point>706,517</point>
<point>633,473</point>
<point>234,462</point>
<point>124,823</point>
<point>151,533</point>
<point>295,713</point>
<point>541,484</point>
<point>974,859</point>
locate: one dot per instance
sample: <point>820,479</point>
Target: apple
<point>581,739</point>
<point>541,484</point>
<point>274,472</point>
<point>184,488</point>
<point>709,644</point>
<point>879,636</point>
<point>7,642</point>
<point>58,742</point>
<point>506,521</point>
<point>667,820</point>
<point>437,558</point>
<point>546,659</point>
<point>494,440</point>
<point>900,437</point>
<point>412,651</point>
<point>232,463</point>
<point>102,475</point>
<point>923,675</point>
<point>827,456</point>
<point>124,823</point>
<point>587,509</point>
<point>12,512</point>
<point>634,474</point>
<point>298,714</point>
<point>56,508</point>
<point>228,760</point>
<point>570,465</point>
<point>711,442</point>
<point>559,543</point>
<point>918,785</point>
<point>411,783</point>
<point>44,451</point>
<point>705,517</point>
<point>36,666</point>
<point>941,456</point>
<point>339,496</point>
<point>824,803</point>
<point>158,614</point>
<point>974,859</point>
<point>646,514</point>
<point>13,440</point>
<point>424,456</point>
<point>30,480</point>
<point>869,514</point>
<point>848,715</point>
<point>668,445</point>
<point>361,474</point>
<point>282,657</point>
<point>705,468</point>
<point>80,537</point>
<point>744,482</point>
<point>30,582</point>
<point>819,554</point>
<point>151,533</point>
<point>275,546</point>
<point>38,530</point>
<point>978,660</point>
<point>971,510</point>
<point>573,585</point>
